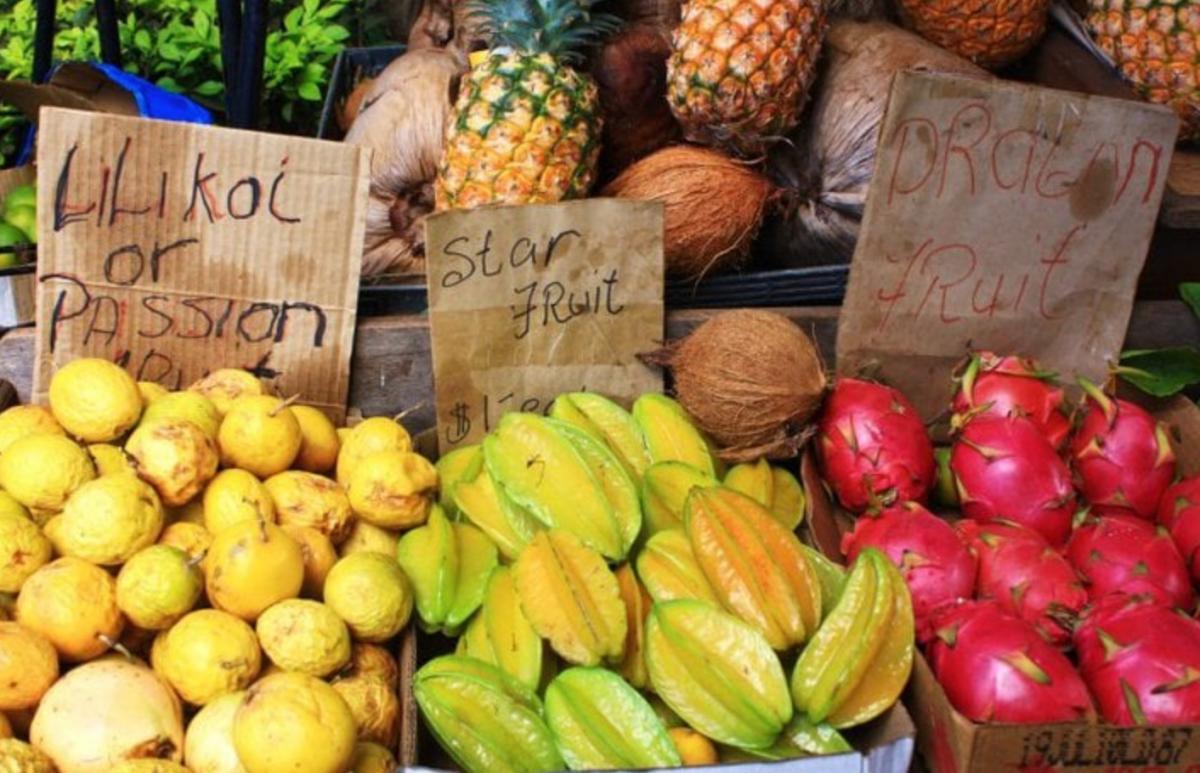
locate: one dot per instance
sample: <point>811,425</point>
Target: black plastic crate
<point>351,66</point>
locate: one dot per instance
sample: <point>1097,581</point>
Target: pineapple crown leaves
<point>561,28</point>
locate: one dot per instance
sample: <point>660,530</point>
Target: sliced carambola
<point>670,434</point>
<point>463,463</point>
<point>717,673</point>
<point>772,487</point>
<point>487,506</point>
<point>449,565</point>
<point>486,720</point>
<point>571,598</point>
<point>502,635</point>
<point>665,487</point>
<point>540,470</point>
<point>608,422</point>
<point>599,722</point>
<point>618,487</point>
<point>668,569</point>
<point>755,565</point>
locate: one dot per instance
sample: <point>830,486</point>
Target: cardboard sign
<point>1001,216</point>
<point>528,302</point>
<point>176,249</point>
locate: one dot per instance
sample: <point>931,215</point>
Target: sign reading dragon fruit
<point>1001,216</point>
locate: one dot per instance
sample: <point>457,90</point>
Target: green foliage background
<point>176,43</point>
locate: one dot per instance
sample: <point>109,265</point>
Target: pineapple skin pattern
<point>740,70</point>
<point>525,130</point>
<point>1154,45</point>
<point>990,33</point>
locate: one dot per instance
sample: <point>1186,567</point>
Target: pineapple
<point>1154,44</point>
<point>526,126</point>
<point>740,70</point>
<point>991,33</point>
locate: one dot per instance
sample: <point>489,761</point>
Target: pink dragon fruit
<point>937,566</point>
<point>872,446</point>
<point>1005,470</point>
<point>1179,511</point>
<point>1124,554</point>
<point>992,385</point>
<point>995,667</point>
<point>1021,572</point>
<point>1141,660</point>
<point>1121,455</point>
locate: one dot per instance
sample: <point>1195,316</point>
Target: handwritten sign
<point>528,302</point>
<point>176,249</point>
<point>1001,216</point>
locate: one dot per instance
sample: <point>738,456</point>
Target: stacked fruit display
<point>237,543</point>
<point>620,601</point>
<point>1065,590</point>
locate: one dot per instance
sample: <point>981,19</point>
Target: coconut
<point>403,120</point>
<point>107,711</point>
<point>829,163</point>
<point>750,379</point>
<point>713,206</point>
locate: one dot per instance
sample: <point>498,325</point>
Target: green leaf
<point>293,19</point>
<point>1190,292</point>
<point>309,91</point>
<point>209,88</point>
<point>202,23</point>
<point>336,32</point>
<point>1161,372</point>
<point>142,40</point>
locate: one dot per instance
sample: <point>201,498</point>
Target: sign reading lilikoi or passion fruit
<point>528,302</point>
<point>1001,216</point>
<point>175,249</point>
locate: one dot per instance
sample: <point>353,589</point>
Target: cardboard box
<point>17,284</point>
<point>951,743</point>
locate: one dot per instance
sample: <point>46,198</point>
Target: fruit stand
<point>491,385</point>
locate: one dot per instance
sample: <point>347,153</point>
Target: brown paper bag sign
<point>1001,216</point>
<point>176,249</point>
<point>528,302</point>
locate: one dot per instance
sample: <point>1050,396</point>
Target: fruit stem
<point>407,411</point>
<point>116,645</point>
<point>286,403</point>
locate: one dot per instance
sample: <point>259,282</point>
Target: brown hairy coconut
<point>751,379</point>
<point>713,206</point>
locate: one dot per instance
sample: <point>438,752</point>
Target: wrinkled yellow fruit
<point>319,442</point>
<point>148,765</point>
<point>110,460</point>
<point>28,666</point>
<point>225,385</point>
<point>175,456</point>
<point>107,520</point>
<point>40,471</point>
<point>393,489</point>
<point>307,499</point>
<point>6,730</point>
<point>151,391</point>
<point>293,721</point>
<point>371,758</point>
<point>192,512</point>
<point>694,748</point>
<point>367,537</point>
<point>304,635</point>
<point>319,557</point>
<point>185,406</point>
<point>373,660</point>
<point>571,598</point>
<point>251,566</point>
<point>207,654</point>
<point>19,757</point>
<point>95,400</point>
<point>158,586</point>
<point>23,549</point>
<point>370,592</point>
<point>74,605</point>
<point>208,744</point>
<point>375,707</point>
<point>259,434</point>
<point>368,437</point>
<point>192,538</point>
<point>10,506</point>
<point>235,496</point>
<point>22,420</point>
